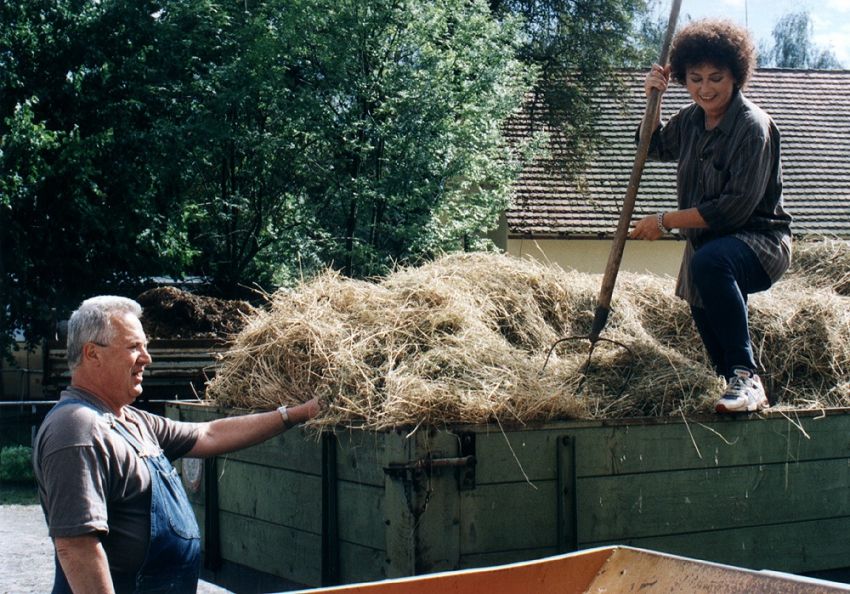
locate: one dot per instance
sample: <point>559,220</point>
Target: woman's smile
<point>712,89</point>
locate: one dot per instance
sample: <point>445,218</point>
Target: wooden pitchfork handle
<point>647,127</point>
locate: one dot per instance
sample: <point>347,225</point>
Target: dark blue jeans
<point>725,271</point>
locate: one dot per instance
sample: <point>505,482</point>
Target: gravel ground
<point>26,553</point>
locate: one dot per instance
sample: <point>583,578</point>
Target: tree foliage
<point>793,46</point>
<point>648,29</point>
<point>250,142</point>
<point>578,45</point>
<point>244,141</point>
<point>81,210</point>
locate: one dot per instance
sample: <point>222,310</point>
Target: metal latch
<point>465,464</point>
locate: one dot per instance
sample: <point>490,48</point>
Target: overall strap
<point>142,449</point>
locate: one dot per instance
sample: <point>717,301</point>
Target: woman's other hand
<point>646,228</point>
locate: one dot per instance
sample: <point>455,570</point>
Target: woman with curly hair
<point>729,190</point>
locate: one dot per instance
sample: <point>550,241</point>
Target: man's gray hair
<point>92,322</point>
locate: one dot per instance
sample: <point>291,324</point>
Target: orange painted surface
<point>534,577</point>
<point>604,570</point>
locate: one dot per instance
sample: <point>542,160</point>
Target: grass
<point>17,483</point>
<point>18,494</point>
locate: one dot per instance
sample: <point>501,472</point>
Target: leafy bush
<point>16,464</point>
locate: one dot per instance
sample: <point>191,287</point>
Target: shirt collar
<point>81,394</point>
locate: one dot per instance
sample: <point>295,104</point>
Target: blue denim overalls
<point>173,559</point>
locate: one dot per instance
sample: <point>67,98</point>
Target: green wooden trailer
<point>767,491</point>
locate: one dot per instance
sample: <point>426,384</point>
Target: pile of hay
<point>822,263</point>
<point>464,340</point>
<point>801,327</point>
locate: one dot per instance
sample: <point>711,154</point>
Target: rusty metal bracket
<point>427,465</point>
<point>415,476</point>
<point>411,474</point>
<point>465,465</point>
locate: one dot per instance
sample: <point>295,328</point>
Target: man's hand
<point>304,412</point>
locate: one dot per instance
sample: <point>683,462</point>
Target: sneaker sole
<point>721,408</point>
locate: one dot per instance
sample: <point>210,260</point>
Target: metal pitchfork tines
<point>615,256</point>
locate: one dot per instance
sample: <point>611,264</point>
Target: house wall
<point>591,255</point>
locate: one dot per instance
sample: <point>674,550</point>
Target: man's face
<point>123,361</point>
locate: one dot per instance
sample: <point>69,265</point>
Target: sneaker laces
<point>739,384</point>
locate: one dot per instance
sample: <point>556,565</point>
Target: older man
<point>117,512</point>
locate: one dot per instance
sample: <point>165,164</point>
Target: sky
<point>830,18</point>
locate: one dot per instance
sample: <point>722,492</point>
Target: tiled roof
<point>811,108</point>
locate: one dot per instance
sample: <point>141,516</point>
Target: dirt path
<point>26,553</point>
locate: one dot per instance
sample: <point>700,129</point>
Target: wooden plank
<point>621,449</point>
<point>273,495</point>
<point>816,545</point>
<point>192,412</point>
<point>361,515</point>
<point>652,504</point>
<point>399,522</point>
<point>297,449</point>
<point>330,511</point>
<point>725,442</point>
<point>361,564</point>
<point>508,516</point>
<point>637,483</point>
<point>513,456</point>
<point>363,455</point>
<point>438,526</point>
<point>421,507</point>
<point>502,557</point>
<point>274,549</point>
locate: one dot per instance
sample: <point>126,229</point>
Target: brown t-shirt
<point>91,480</point>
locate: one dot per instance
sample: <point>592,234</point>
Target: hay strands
<point>615,256</point>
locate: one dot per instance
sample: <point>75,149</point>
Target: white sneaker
<point>744,393</point>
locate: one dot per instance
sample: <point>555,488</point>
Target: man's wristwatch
<point>285,416</point>
<point>659,219</point>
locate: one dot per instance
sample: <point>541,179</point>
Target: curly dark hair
<point>718,42</point>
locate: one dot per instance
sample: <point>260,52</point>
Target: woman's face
<point>711,87</point>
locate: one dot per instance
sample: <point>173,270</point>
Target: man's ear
<point>90,352</point>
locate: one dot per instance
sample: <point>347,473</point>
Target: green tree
<point>241,140</point>
<point>649,27</point>
<point>579,45</point>
<point>360,134</point>
<point>82,206</point>
<point>793,46</point>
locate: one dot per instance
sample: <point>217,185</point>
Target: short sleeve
<point>75,485</point>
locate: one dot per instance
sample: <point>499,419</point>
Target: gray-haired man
<point>118,514</point>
